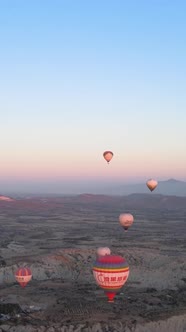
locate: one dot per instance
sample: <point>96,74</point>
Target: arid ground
<point>57,238</point>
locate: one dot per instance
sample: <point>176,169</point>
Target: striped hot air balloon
<point>23,275</point>
<point>111,272</point>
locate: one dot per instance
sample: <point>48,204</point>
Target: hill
<point>169,187</point>
<point>134,201</point>
<point>6,198</point>
<point>126,203</point>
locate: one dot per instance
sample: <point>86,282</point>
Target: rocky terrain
<point>58,237</point>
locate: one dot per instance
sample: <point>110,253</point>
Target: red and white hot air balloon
<point>126,220</point>
<point>151,184</point>
<point>102,251</point>
<point>107,155</point>
<point>23,275</point>
<point>111,273</point>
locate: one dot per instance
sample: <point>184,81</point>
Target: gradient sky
<point>80,77</point>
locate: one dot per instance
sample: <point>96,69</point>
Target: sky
<point>81,77</point>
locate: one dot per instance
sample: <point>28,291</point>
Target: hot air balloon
<point>23,276</point>
<point>102,251</point>
<point>151,184</point>
<point>126,220</point>
<point>111,272</point>
<point>108,156</point>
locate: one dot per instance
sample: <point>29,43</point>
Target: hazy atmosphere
<point>82,77</point>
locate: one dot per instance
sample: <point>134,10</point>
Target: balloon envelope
<point>126,220</point>
<point>111,272</point>
<point>108,155</point>
<point>102,251</point>
<point>23,276</point>
<point>151,184</point>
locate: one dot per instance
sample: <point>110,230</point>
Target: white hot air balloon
<point>126,220</point>
<point>151,184</point>
<point>103,251</point>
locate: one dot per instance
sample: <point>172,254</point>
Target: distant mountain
<point>102,188</point>
<point>132,201</point>
<point>128,202</point>
<point>169,187</point>
<point>6,198</point>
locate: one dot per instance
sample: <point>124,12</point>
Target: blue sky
<point>81,77</point>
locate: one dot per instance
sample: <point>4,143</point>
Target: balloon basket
<point>110,296</point>
<point>110,301</point>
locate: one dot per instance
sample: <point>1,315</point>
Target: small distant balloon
<point>126,220</point>
<point>23,276</point>
<point>151,184</point>
<point>111,273</point>
<point>108,156</point>
<point>102,251</point>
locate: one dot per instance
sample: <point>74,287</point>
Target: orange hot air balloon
<point>126,220</point>
<point>102,251</point>
<point>111,272</point>
<point>108,156</point>
<point>23,276</point>
<point>151,184</point>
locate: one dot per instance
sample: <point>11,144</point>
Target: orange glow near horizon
<point>49,168</point>
<point>50,164</point>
